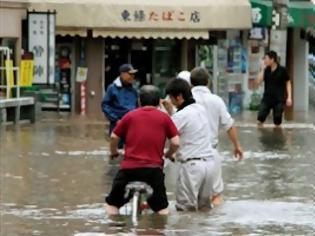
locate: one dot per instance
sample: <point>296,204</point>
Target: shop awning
<point>165,16</point>
<point>301,14</point>
<point>162,34</point>
<point>71,32</point>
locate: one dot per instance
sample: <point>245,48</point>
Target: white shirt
<point>193,128</point>
<point>217,113</point>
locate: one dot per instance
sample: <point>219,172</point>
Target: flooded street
<point>56,173</point>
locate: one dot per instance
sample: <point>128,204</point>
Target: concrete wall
<point>300,73</point>
<point>11,26</point>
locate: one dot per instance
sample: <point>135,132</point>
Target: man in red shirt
<point>145,131</point>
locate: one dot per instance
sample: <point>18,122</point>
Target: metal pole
<point>135,208</point>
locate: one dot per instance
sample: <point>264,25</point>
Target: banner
<point>26,73</point>
<point>9,75</point>
<point>51,57</point>
<point>41,29</point>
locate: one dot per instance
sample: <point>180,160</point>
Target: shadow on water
<point>274,138</point>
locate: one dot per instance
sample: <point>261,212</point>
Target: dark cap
<point>127,68</point>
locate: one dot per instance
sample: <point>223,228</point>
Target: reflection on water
<point>54,177</point>
<point>274,138</point>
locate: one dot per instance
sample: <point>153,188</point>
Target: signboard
<point>257,33</point>
<point>261,12</point>
<point>42,43</point>
<point>9,75</point>
<point>167,16</point>
<point>81,74</point>
<point>38,44</point>
<point>51,58</point>
<point>26,73</point>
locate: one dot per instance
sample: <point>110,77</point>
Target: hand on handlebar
<point>116,154</point>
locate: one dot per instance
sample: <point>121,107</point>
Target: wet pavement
<point>55,175</point>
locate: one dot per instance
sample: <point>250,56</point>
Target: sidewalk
<point>249,118</point>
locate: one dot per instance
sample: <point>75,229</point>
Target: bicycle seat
<point>137,186</point>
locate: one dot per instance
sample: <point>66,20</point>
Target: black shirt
<point>275,84</point>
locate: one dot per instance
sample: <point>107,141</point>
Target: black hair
<point>178,87</point>
<point>149,95</point>
<point>199,77</point>
<point>272,55</point>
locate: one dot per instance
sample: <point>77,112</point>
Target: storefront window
<point>166,61</point>
<point>205,60</point>
<point>232,64</point>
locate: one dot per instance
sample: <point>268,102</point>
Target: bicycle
<point>139,192</point>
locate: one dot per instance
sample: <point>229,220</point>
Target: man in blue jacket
<point>120,97</point>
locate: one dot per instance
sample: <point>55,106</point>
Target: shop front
<point>160,38</point>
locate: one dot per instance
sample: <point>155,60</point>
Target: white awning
<point>71,32</point>
<point>146,34</point>
<point>169,16</point>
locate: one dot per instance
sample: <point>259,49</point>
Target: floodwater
<point>56,173</point>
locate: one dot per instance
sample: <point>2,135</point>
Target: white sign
<point>41,41</point>
<point>52,23</point>
<point>81,74</point>
<point>38,44</point>
<point>256,15</point>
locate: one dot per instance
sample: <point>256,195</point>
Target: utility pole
<point>278,34</point>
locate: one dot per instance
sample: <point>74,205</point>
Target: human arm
<point>173,135</point>
<point>168,106</point>
<point>260,79</point>
<point>119,132</point>
<point>107,104</point>
<point>227,122</point>
<point>289,93</point>
<point>114,140</point>
<point>260,76</point>
<point>174,145</point>
<point>238,151</point>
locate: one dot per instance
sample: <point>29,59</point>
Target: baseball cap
<point>127,68</point>
<point>184,75</point>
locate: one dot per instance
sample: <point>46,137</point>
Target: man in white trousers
<point>217,115</point>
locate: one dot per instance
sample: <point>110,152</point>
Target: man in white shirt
<point>217,115</point>
<point>196,156</point>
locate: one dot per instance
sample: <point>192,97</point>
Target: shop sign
<point>41,43</point>
<point>9,75</point>
<point>26,72</point>
<point>257,15</point>
<point>261,13</point>
<point>52,52</point>
<point>168,16</point>
<point>81,74</point>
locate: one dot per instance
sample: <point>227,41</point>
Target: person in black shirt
<point>277,92</point>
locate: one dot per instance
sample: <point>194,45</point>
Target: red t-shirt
<point>145,131</point>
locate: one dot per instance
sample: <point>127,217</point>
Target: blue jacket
<point>119,100</point>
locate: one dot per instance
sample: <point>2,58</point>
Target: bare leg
<point>111,210</point>
<point>164,212</point>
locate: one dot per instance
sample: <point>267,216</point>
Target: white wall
<point>300,74</point>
